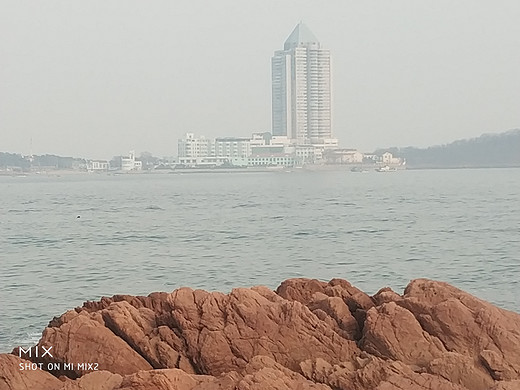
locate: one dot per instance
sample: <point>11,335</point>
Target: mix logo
<point>37,351</point>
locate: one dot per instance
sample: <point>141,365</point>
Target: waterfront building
<point>129,163</point>
<point>389,159</point>
<point>280,140</point>
<point>203,162</point>
<point>261,149</point>
<point>306,154</point>
<point>260,139</point>
<point>233,147</point>
<point>343,156</point>
<point>301,83</point>
<point>97,165</point>
<point>371,157</point>
<point>194,147</point>
<point>282,160</point>
<point>272,156</point>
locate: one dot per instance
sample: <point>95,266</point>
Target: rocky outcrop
<point>16,377</point>
<point>307,334</point>
<point>393,332</point>
<point>369,372</point>
<point>99,380</point>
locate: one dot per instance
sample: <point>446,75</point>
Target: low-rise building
<point>342,156</point>
<point>203,162</point>
<point>259,149</point>
<point>97,165</point>
<point>194,147</point>
<point>389,159</point>
<point>280,140</point>
<point>271,156</point>
<point>306,154</point>
<point>259,139</point>
<point>129,163</point>
<point>283,160</point>
<point>233,147</point>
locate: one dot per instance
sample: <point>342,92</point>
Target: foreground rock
<point>306,335</point>
<point>13,378</point>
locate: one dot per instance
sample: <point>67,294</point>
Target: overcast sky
<point>100,77</point>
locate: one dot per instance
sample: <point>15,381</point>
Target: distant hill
<point>12,160</point>
<point>488,150</point>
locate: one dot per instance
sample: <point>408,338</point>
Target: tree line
<point>488,150</point>
<point>13,160</point>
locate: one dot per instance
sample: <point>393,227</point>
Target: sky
<point>98,78</point>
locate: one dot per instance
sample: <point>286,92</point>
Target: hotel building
<point>301,97</point>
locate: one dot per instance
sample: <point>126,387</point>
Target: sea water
<point>68,239</point>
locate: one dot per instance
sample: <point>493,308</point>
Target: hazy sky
<point>100,77</point>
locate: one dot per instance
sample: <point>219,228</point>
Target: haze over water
<point>142,233</point>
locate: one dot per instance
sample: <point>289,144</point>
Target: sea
<point>71,238</point>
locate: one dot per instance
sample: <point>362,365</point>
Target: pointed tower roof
<point>301,36</point>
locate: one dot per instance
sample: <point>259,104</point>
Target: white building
<point>305,154</point>
<point>232,147</point>
<point>301,98</point>
<point>201,162</point>
<point>282,160</point>
<point>129,163</point>
<point>343,156</point>
<point>193,147</point>
<point>259,139</point>
<point>97,165</point>
<point>280,140</point>
<point>259,149</point>
<point>389,159</point>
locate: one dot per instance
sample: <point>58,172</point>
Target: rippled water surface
<point>144,233</point>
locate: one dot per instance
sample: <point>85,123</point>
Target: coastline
<point>181,171</point>
<point>307,333</point>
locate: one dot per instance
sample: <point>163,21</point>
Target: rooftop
<point>301,36</point>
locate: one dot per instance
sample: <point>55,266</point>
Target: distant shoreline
<point>177,171</point>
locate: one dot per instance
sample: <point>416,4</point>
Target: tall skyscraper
<point>301,89</point>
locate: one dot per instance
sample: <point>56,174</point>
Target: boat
<point>386,168</point>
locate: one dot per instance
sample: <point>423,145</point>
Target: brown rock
<point>227,381</point>
<point>138,327</point>
<point>264,373</point>
<point>84,339</point>
<point>313,293</point>
<point>300,289</point>
<point>368,372</point>
<point>467,325</point>
<point>168,379</point>
<point>386,295</point>
<point>341,319</point>
<point>98,380</point>
<point>507,385</point>
<point>418,382</point>
<point>462,370</point>
<point>499,368</point>
<point>261,373</point>
<point>304,290</point>
<point>12,377</point>
<point>353,296</point>
<point>223,333</point>
<point>393,332</point>
<point>434,337</point>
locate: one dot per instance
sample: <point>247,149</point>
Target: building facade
<point>193,147</point>
<point>232,147</point>
<point>301,84</point>
<point>258,150</point>
<point>98,165</point>
<point>129,163</point>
